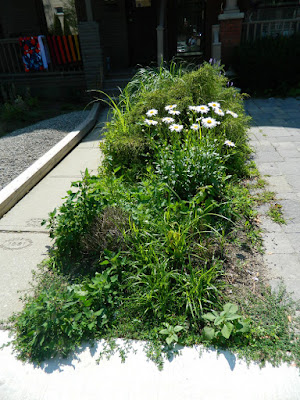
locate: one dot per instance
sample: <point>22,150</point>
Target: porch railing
<point>272,28</point>
<point>64,55</point>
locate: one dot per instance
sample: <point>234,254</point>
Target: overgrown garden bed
<point>157,245</point>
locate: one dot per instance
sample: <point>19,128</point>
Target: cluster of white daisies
<point>206,122</point>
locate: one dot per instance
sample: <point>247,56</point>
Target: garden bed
<point>163,244</point>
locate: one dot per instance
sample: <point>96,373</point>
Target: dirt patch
<point>244,266</point>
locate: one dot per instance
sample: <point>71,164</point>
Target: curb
<point>21,185</point>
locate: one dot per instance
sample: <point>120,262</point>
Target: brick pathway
<point>275,137</point>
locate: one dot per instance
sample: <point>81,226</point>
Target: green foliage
<point>67,29</point>
<point>60,316</point>
<point>275,213</point>
<point>170,333</point>
<point>268,65</point>
<point>225,324</point>
<point>70,16</point>
<point>189,167</point>
<point>138,248</point>
<point>20,108</point>
<point>274,330</point>
<point>128,145</point>
<point>57,28</point>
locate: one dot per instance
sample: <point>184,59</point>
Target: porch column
<point>160,30</point>
<point>216,44</point>
<point>89,11</point>
<point>230,29</point>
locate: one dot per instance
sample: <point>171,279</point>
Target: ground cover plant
<point>145,249</point>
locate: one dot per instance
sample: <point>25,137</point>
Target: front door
<point>142,23</point>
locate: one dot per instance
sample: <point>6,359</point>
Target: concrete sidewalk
<point>23,241</point>
<point>197,374</point>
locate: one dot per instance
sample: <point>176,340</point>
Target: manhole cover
<point>15,244</point>
<point>34,222</point>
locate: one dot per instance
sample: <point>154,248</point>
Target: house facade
<point>115,35</point>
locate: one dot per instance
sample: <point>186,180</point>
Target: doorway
<point>141,25</point>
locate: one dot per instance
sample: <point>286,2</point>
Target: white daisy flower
<point>192,108</point>
<point>176,128</point>
<point>150,122</point>
<point>214,104</point>
<point>199,119</point>
<point>168,120</point>
<point>232,113</point>
<point>209,122</point>
<point>195,127</point>
<point>170,107</point>
<point>202,109</point>
<point>174,112</point>
<point>219,111</point>
<point>229,143</point>
<point>151,113</point>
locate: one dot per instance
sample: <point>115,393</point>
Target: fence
<point>259,29</point>
<point>64,55</point>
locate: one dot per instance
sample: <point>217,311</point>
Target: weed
<point>276,214</point>
<point>264,197</point>
<point>225,324</point>
<point>273,333</point>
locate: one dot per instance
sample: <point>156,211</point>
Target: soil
<point>245,270</point>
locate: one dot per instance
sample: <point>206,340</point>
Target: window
<point>143,3</point>
<point>59,10</point>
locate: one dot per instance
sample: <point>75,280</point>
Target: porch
<point>64,70</point>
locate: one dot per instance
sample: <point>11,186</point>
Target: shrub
<point>268,65</point>
<point>57,28</point>
<point>127,144</point>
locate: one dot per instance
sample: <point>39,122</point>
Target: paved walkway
<point>275,136</point>
<point>205,376</point>
<point>23,241</point>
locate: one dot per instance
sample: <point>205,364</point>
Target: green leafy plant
<point>191,166</point>
<point>170,333</point>
<point>276,214</point>
<point>225,324</point>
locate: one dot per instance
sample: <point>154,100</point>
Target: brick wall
<point>230,37</point>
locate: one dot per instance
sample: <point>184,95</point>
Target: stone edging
<point>21,185</point>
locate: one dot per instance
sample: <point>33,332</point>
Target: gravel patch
<point>21,148</point>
